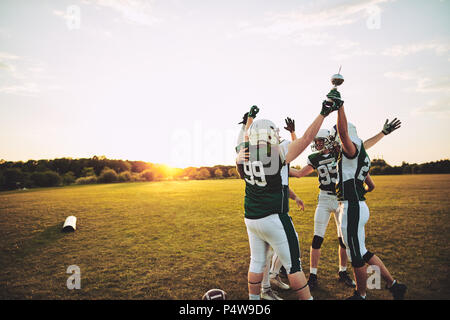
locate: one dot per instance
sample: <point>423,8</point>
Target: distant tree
<point>232,172</point>
<point>124,176</point>
<point>46,179</point>
<point>203,174</point>
<point>218,173</point>
<point>13,178</point>
<point>68,178</point>
<point>86,180</point>
<point>107,175</point>
<point>139,166</point>
<point>147,175</point>
<point>87,172</point>
<point>190,172</point>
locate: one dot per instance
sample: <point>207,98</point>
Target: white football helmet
<point>263,130</point>
<point>324,135</point>
<point>353,134</point>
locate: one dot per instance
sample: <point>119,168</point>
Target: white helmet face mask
<point>324,135</point>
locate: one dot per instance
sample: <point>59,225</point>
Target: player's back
<point>266,179</point>
<point>352,174</point>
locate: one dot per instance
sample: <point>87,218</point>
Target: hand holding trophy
<point>334,95</point>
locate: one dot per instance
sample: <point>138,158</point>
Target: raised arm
<point>347,144</point>
<point>302,172</point>
<point>244,154</point>
<point>242,157</point>
<point>299,145</point>
<point>388,128</point>
<point>369,143</point>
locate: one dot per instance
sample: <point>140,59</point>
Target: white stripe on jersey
<point>285,169</point>
<point>350,166</point>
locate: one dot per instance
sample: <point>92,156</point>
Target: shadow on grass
<point>43,239</point>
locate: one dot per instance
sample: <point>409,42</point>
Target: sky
<point>167,81</point>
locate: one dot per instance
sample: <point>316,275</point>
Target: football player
<point>264,166</point>
<point>266,290</point>
<point>353,169</point>
<point>325,162</point>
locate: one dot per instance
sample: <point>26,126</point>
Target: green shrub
<point>203,174</point>
<point>107,176</point>
<point>12,178</point>
<point>232,172</point>
<point>147,175</point>
<point>86,180</point>
<point>69,178</point>
<point>46,179</point>
<point>88,171</point>
<point>218,173</point>
<point>125,176</point>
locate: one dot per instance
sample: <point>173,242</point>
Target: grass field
<point>176,240</point>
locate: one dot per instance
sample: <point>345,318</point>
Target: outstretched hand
<point>244,119</point>
<point>335,96</point>
<point>290,125</point>
<point>253,112</point>
<point>389,127</point>
<point>327,107</point>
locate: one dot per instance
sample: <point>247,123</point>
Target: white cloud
<point>23,76</point>
<point>311,25</point>
<point>423,84</point>
<point>138,12</point>
<point>29,88</point>
<point>439,47</point>
<point>401,75</point>
<point>291,23</point>
<point>439,108</point>
<point>440,84</point>
<point>350,53</point>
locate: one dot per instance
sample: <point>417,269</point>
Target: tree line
<point>67,171</point>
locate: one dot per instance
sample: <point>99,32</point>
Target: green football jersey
<point>266,183</point>
<point>352,174</point>
<point>326,166</point>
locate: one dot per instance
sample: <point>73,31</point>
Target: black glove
<point>290,125</point>
<point>335,96</point>
<point>244,119</point>
<point>391,126</point>
<point>327,107</point>
<point>253,112</point>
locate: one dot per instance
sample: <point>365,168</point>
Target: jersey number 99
<point>254,172</point>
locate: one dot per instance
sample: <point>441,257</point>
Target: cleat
<point>345,278</point>
<point>269,294</point>
<point>398,291</point>
<point>355,296</point>
<point>312,281</point>
<point>276,281</point>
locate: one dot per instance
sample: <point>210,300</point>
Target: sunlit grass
<point>177,239</point>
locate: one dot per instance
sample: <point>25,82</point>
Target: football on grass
<point>215,294</point>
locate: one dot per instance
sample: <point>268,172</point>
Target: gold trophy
<point>336,80</point>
